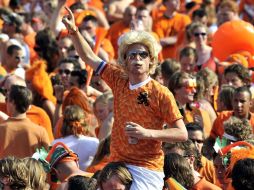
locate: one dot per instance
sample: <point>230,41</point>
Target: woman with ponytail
<point>74,134</point>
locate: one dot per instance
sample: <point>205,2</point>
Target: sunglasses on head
<point>64,71</point>
<point>142,54</point>
<point>198,34</point>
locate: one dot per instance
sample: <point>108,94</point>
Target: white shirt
<point>85,147</point>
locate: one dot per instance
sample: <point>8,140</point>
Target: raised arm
<point>80,44</point>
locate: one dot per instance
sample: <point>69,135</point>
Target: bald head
<point>13,80</point>
<point>129,14</point>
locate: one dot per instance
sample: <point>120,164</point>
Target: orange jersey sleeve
<point>208,170</point>
<point>218,128</point>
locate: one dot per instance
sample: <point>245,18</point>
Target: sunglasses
<point>197,141</point>
<point>142,54</point>
<point>198,34</point>
<point>64,71</point>
<point>191,85</point>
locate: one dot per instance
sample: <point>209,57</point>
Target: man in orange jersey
<point>141,105</point>
<point>241,109</point>
<point>170,28</point>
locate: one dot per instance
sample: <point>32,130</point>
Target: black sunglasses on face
<point>64,71</point>
<point>198,34</point>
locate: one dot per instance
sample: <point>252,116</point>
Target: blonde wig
<point>139,37</point>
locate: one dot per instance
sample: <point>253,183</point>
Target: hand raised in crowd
<point>69,21</point>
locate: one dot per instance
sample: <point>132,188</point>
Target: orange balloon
<point>233,37</point>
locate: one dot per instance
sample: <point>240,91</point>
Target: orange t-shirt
<point>204,185</point>
<point>158,11</point>
<point>21,138</point>
<point>208,170</point>
<point>37,116</point>
<point>175,26</point>
<point>114,32</point>
<point>218,128</point>
<point>160,108</point>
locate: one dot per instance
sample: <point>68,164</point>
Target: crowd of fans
<point>126,94</point>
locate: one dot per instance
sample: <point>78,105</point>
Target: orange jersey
<point>218,128</point>
<point>159,108</point>
<point>168,27</point>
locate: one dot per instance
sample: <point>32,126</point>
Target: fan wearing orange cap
<point>63,165</point>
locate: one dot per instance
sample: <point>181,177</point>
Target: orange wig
<point>40,80</point>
